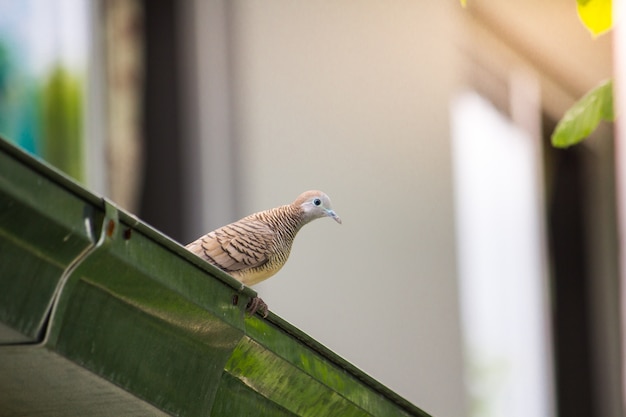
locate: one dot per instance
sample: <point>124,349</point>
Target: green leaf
<point>596,15</point>
<point>584,116</point>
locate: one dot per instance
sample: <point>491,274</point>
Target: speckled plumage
<point>257,246</point>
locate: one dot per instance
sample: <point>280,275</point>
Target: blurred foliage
<point>584,116</point>
<point>4,88</point>
<point>61,121</point>
<point>19,103</point>
<point>4,68</point>
<point>42,114</point>
<point>596,15</point>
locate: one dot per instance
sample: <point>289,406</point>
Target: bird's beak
<point>333,215</point>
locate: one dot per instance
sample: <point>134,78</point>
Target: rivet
<point>110,228</point>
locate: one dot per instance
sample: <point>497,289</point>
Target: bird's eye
<point>317,201</point>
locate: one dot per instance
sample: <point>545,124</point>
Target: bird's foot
<point>256,304</point>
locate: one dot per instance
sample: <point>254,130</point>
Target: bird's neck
<point>287,220</point>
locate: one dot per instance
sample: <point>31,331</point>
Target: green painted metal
<point>37,382</point>
<point>148,320</point>
<point>154,325</point>
<point>43,232</point>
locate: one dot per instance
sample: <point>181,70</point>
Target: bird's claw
<point>257,304</point>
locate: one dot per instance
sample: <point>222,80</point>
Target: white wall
<point>353,98</point>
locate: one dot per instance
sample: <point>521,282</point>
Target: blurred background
<point>476,270</point>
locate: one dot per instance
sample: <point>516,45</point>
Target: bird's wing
<point>237,246</point>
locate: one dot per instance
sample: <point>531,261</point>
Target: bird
<point>257,246</point>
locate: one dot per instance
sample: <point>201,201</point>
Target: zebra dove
<point>257,246</point>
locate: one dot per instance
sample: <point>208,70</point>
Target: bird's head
<point>316,204</point>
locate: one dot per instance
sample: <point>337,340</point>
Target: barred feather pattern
<point>255,247</point>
